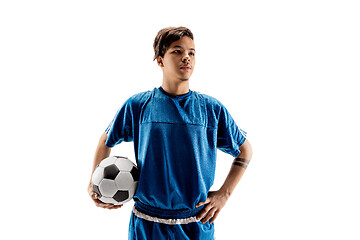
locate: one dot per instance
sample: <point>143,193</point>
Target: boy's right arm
<point>102,152</point>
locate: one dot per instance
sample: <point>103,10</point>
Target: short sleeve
<point>229,136</point>
<point>121,127</point>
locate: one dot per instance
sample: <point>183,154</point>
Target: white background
<point>286,71</point>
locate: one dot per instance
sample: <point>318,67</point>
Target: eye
<point>192,53</point>
<point>177,51</point>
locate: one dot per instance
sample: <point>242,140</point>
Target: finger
<point>116,206</point>
<point>204,212</point>
<point>214,217</point>
<point>111,206</point>
<point>98,203</point>
<point>94,196</point>
<point>202,203</point>
<point>92,193</point>
<point>106,205</point>
<point>209,215</point>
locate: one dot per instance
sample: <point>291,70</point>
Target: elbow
<point>103,138</point>
<point>246,150</point>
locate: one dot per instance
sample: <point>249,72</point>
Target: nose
<point>186,58</point>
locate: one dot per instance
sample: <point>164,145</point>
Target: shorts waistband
<point>166,214</point>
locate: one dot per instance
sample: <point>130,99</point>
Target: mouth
<point>185,67</point>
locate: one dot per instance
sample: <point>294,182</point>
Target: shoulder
<point>139,98</point>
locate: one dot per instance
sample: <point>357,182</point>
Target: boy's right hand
<point>98,203</point>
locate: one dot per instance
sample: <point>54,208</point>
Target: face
<point>179,60</point>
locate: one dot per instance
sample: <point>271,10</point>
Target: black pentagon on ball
<point>135,173</point>
<point>121,196</point>
<point>97,190</point>
<point>111,171</point>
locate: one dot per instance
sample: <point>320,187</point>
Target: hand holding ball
<point>115,180</point>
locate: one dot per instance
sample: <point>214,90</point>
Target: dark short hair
<point>168,35</point>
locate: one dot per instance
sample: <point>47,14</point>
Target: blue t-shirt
<point>175,141</point>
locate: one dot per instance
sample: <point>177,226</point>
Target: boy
<point>176,133</point>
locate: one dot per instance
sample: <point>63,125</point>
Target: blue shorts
<point>148,223</point>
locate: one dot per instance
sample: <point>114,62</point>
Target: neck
<point>177,88</point>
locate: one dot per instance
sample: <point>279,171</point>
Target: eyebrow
<point>183,48</point>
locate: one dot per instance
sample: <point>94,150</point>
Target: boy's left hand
<point>214,203</point>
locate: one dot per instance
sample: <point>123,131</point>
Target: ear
<point>159,61</point>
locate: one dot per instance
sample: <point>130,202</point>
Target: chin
<point>185,77</point>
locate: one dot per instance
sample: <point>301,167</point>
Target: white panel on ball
<point>107,161</point>
<point>124,180</point>
<point>107,187</point>
<point>97,175</point>
<point>124,165</point>
<point>133,188</point>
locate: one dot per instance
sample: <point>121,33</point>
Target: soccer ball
<point>115,180</point>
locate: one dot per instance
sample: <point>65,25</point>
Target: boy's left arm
<point>216,200</point>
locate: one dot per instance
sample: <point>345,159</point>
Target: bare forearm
<point>102,151</point>
<point>216,200</point>
<point>237,169</point>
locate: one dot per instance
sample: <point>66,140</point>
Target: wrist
<point>225,192</point>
